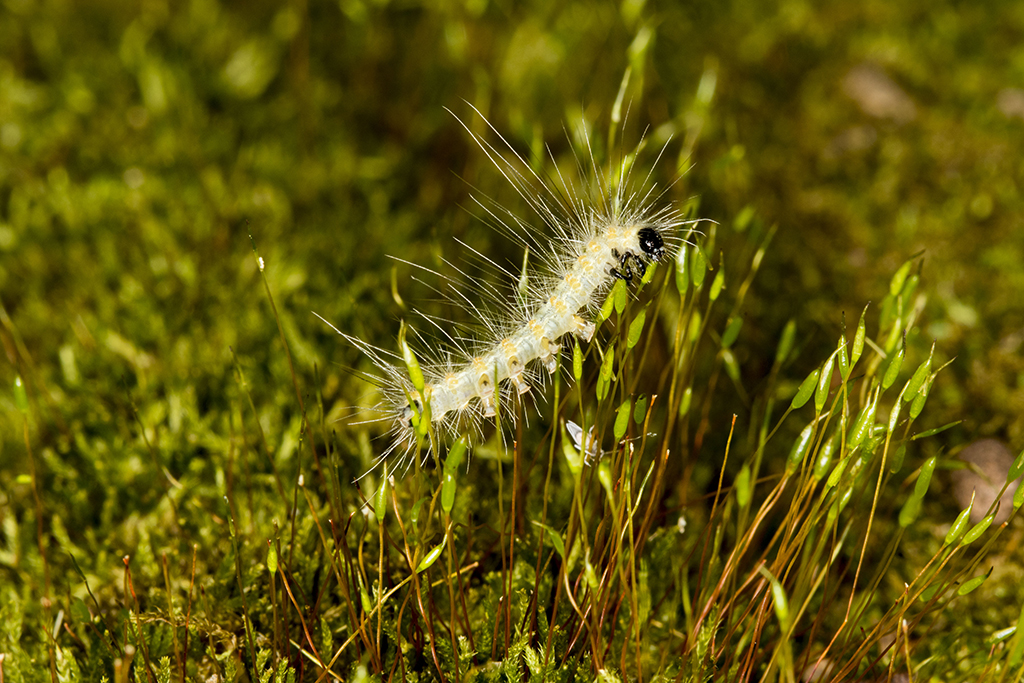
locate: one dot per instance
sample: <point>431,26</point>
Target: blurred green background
<point>142,142</point>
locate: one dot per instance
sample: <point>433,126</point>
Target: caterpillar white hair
<point>591,238</point>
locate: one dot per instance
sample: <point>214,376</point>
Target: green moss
<point>142,144</point>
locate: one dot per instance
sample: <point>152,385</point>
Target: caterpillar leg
<point>584,328</point>
<point>485,387</point>
<point>641,265</point>
<point>627,262</point>
<point>515,366</point>
<point>623,271</point>
<point>549,357</point>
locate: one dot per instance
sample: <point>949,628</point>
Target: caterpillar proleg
<point>591,238</point>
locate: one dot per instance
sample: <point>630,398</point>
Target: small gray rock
<point>993,460</point>
<point>878,95</point>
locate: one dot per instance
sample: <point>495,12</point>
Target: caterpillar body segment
<point>604,258</point>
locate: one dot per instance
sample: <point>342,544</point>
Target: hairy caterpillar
<point>592,239</point>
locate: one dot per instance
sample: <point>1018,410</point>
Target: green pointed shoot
<point>824,384</point>
<point>825,454</point>
<point>417,508</point>
<point>865,421</point>
<point>380,498</point>
<point>411,362</point>
<point>743,218</point>
<point>617,107</point>
<point>556,540</point>
<point>635,329</point>
<point>912,507</point>
<point>895,331</point>
<point>732,331</point>
<point>718,284</point>
<point>917,405</point>
<point>972,584</point>
<point>640,412</point>
<point>779,600</point>
<point>909,511</point>
<point>920,375</point>
<point>837,473</point>
<point>892,371</point>
<point>960,524</point>
<point>803,394</point>
<point>894,414</point>
<point>394,289</point>
<point>449,482</point>
<point>698,267</point>
<point>577,361</point>
<point>924,479</point>
<point>572,457</point>
<point>431,557</point>
<point>605,375</point>
<point>693,333</point>
<point>271,557</point>
<point>1001,635</point>
<point>364,595</point>
<point>622,419</point>
<point>590,574</point>
<point>20,396</point>
<point>1016,469</point>
<point>910,286</point>
<point>683,269</point>
<point>621,295</point>
<point>928,593</point>
<point>786,342</point>
<point>977,530</point>
<point>604,475</point>
<point>451,468</point>
<point>900,277</point>
<point>800,447</point>
<point>897,458</point>
<point>732,366</point>
<point>843,358</point>
<point>744,491</point>
<point>838,505</point>
<point>684,405</point>
<point>937,430</point>
<point>858,339</point>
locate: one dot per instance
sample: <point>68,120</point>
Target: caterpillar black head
<point>651,243</point>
